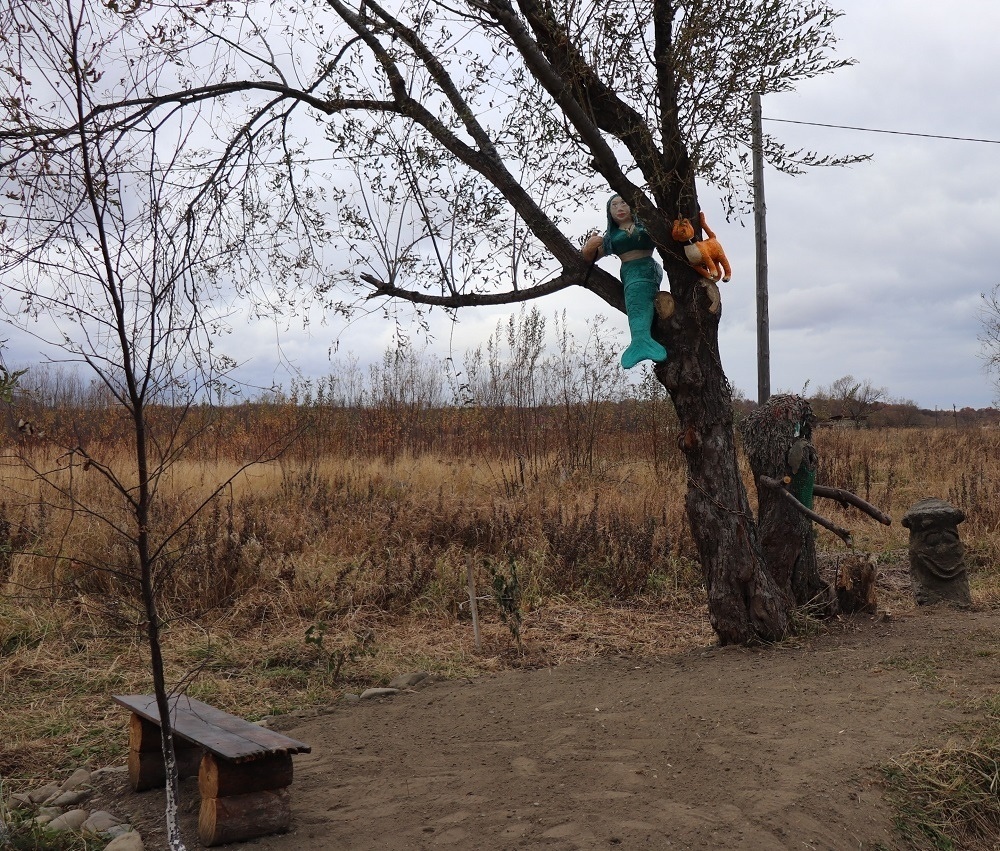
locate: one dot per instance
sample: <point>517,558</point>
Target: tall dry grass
<point>362,532</point>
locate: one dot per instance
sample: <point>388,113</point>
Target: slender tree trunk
<point>175,841</point>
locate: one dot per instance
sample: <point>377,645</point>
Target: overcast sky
<point>875,270</point>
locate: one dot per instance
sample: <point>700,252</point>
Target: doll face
<point>620,211</point>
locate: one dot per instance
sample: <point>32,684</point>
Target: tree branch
<point>846,498</point>
<point>605,285</point>
<point>778,486</point>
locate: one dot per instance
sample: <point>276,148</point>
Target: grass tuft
<point>949,798</point>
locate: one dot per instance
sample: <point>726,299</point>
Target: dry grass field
<point>343,562</point>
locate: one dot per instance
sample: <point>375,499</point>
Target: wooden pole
<point>760,232</point>
<point>470,579</point>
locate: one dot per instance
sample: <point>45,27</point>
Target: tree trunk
<point>744,602</point>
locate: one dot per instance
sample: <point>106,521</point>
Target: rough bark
<point>745,604</point>
<point>786,534</point>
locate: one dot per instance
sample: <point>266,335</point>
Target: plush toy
<point>706,256</point>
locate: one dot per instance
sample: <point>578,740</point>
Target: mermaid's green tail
<point>642,282</point>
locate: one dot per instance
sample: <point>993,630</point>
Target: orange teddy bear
<point>706,256</point>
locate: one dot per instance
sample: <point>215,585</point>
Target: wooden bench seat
<point>244,770</point>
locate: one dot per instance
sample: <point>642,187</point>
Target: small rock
<point>43,819</point>
<point>51,812</point>
<point>69,821</point>
<point>80,777</point>
<point>19,801</point>
<point>99,822</point>
<point>68,799</point>
<point>408,680</point>
<point>378,692</point>
<point>43,793</point>
<point>350,697</point>
<point>130,841</point>
<point>109,769</point>
<point>118,830</point>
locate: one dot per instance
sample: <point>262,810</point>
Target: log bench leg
<point>243,800</point>
<point>145,755</point>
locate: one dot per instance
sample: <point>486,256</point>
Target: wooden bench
<point>244,770</point>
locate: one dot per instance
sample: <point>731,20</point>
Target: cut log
<point>241,817</point>
<point>218,778</point>
<point>856,584</point>
<point>145,756</point>
<point>143,735</point>
<point>145,770</point>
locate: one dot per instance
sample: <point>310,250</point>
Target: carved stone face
<point>937,555</point>
<point>936,546</point>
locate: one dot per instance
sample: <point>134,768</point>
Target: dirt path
<point>773,748</point>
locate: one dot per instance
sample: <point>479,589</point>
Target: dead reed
<point>340,565</point>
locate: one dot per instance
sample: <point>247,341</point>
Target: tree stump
<point>777,441</point>
<point>243,800</point>
<point>145,755</point>
<point>855,583</point>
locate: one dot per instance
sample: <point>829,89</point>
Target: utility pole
<point>760,233</point>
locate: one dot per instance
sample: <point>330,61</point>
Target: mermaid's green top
<point>618,241</point>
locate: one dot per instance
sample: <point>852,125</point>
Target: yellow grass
<point>373,550</point>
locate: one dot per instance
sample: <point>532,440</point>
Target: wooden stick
<point>841,533</point>
<point>473,605</point>
<point>848,498</point>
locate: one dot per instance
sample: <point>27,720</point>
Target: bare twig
<point>473,603</point>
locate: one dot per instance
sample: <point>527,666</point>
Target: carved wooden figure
<point>777,439</point>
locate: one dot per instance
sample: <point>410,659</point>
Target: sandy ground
<point>709,748</point>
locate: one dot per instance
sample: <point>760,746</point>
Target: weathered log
<point>779,487</point>
<point>145,756</point>
<point>219,778</point>
<point>241,817</point>
<point>145,770</point>
<point>848,498</point>
<point>143,735</point>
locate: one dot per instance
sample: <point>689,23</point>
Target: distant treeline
<point>517,395</point>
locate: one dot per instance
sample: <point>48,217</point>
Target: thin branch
<point>388,290</point>
<point>846,498</point>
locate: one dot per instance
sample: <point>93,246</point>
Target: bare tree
<point>466,139</point>
<point>854,400</point>
<point>100,264</point>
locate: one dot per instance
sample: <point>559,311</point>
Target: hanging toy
<point>705,256</point>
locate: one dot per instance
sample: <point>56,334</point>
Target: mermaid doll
<point>640,273</point>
